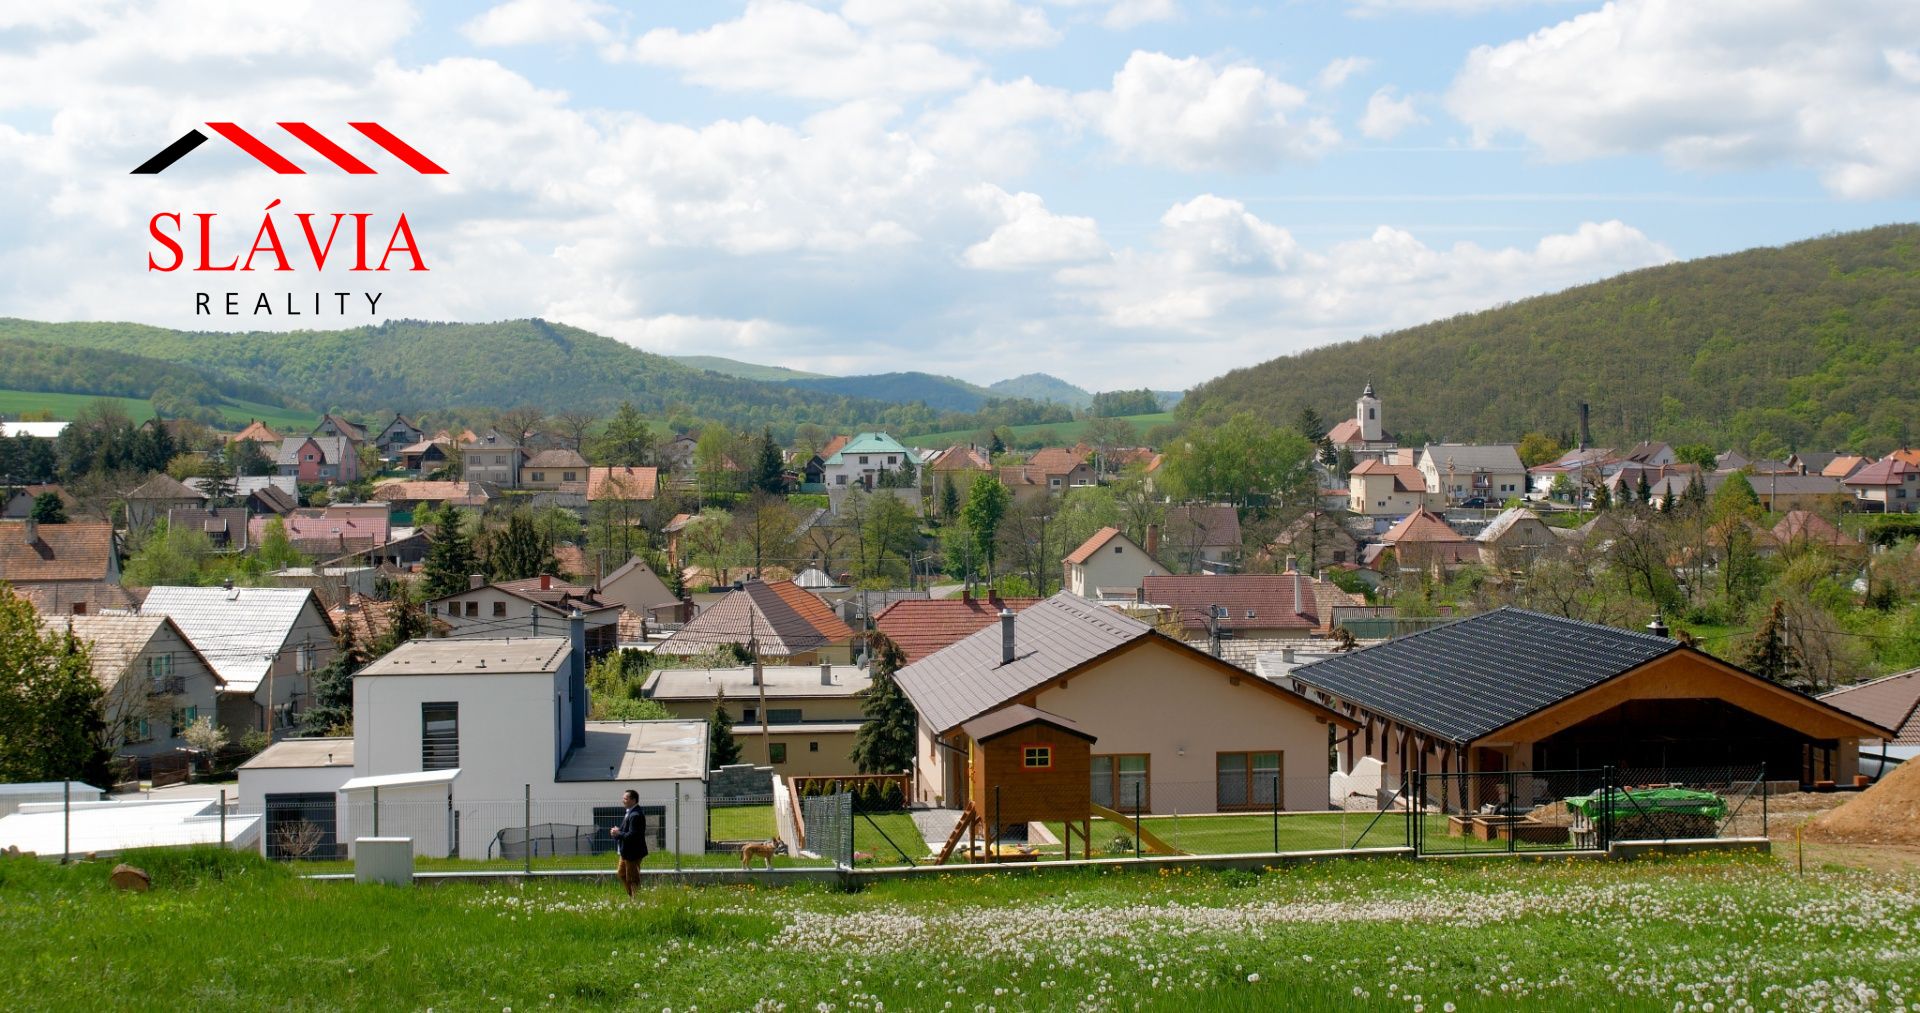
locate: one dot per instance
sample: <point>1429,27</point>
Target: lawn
<point>66,406</point>
<point>1066,432</point>
<point>225,931</point>
<point>1252,833</point>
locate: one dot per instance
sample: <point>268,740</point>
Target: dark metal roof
<point>1014,717</point>
<point>1464,680</point>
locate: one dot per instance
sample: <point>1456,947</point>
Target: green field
<point>1067,432</point>
<point>224,931</point>
<point>65,406</point>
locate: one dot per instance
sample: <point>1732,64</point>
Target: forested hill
<point>414,365</point>
<point>1813,346</point>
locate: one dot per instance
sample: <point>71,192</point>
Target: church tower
<point>1366,412</point>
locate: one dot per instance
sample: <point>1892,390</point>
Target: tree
<point>170,555</point>
<point>949,498</point>
<point>707,537</point>
<point>1697,454</point>
<point>331,712</point>
<point>997,447</point>
<point>1602,498</point>
<point>1768,655</point>
<point>766,528</point>
<point>219,485</point>
<point>1562,488</point>
<point>986,505</point>
<point>276,549</point>
<point>1025,539</point>
<point>768,465</point>
<point>626,442</point>
<point>574,425</point>
<point>1642,490</point>
<point>49,509</point>
<point>722,749</point>
<point>51,725</point>
<point>248,459</point>
<point>713,463</point>
<point>1310,424</point>
<point>518,551</point>
<point>517,424</point>
<point>1125,402</point>
<point>1106,435</point>
<point>1242,461</point>
<point>886,740</point>
<point>451,559</point>
<point>1538,448</point>
<point>887,528</point>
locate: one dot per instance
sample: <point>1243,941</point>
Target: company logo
<point>305,134</point>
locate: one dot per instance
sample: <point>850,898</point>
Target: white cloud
<point>524,22</point>
<point>988,24</point>
<point>1713,86</point>
<point>1000,127</point>
<point>1220,275</point>
<point>1387,116</point>
<point>1120,15</point>
<point>1336,72</point>
<point>1371,8</point>
<point>788,48</point>
<point>1189,114</point>
<point>1030,235</point>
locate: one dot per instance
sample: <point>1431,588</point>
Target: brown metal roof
<point>71,551</point>
<point>1091,545</point>
<point>1014,717</point>
<point>1891,701</point>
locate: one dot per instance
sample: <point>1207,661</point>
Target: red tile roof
<point>785,618</point>
<point>1091,545</point>
<point>1887,471</point>
<point>622,483</point>
<point>1806,526</point>
<point>833,446</point>
<point>1406,477</point>
<point>72,551</point>
<point>1055,461</point>
<point>1253,601</point>
<point>921,626</point>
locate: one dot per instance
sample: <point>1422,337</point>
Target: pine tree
<point>1602,497</point>
<point>332,709</point>
<point>1644,490</point>
<point>51,726</point>
<point>997,447</point>
<point>986,505</point>
<point>885,742</point>
<point>519,551</point>
<point>722,748</point>
<point>1769,656</point>
<point>47,509</point>
<point>949,499</point>
<point>767,465</point>
<point>1310,424</point>
<point>450,557</point>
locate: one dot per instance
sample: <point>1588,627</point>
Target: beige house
<point>555,469</point>
<point>784,620</point>
<point>1376,488</point>
<point>812,712</point>
<point>1462,472</point>
<point>1514,539</point>
<point>1177,730</point>
<point>641,591</point>
<point>157,684</point>
<point>1108,565</point>
<point>492,459</point>
<point>535,607</point>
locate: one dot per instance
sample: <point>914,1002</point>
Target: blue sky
<point>1120,192</point>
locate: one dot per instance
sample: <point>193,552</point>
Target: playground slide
<point>1147,840</point>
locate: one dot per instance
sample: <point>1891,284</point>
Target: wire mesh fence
<point>1535,811</point>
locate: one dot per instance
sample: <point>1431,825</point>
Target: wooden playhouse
<point>1026,765</point>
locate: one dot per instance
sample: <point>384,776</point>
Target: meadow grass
<point>235,412</point>
<point>1705,933</point>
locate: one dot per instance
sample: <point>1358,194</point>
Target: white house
<point>263,642</point>
<point>463,745</point>
<point>1108,565</point>
<point>1491,473</point>
<point>862,460</point>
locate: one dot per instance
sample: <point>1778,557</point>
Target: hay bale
<point>126,877</point>
<point>1887,813</point>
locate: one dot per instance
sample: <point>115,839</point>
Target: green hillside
<point>14,403</point>
<point>1042,387</point>
<point>941,393</point>
<point>414,365</point>
<point>1810,346</point>
<point>743,370</point>
<point>1049,433</point>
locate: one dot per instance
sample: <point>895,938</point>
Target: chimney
<point>577,675</point>
<point>1286,655</point>
<point>1006,636</point>
<point>1153,541</point>
<point>826,673</point>
<point>1293,563</point>
<point>1140,595</point>
<point>1658,627</point>
<point>476,581</point>
<point>33,531</point>
<point>1586,437</point>
<point>227,584</point>
<point>546,582</point>
<point>993,597</point>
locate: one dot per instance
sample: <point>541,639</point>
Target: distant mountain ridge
<point>1808,346</point>
<point>1043,387</point>
<point>744,370</point>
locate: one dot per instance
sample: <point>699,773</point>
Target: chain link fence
<point>1535,811</point>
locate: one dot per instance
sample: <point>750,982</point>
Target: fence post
<point>1764,792</point>
<point>66,820</point>
<point>1513,810</point>
<point>527,825</point>
<point>376,810</point>
<point>679,835</point>
<point>223,817</point>
<point>1276,815</point>
<point>1606,807</point>
<point>1136,819</point>
<point>993,839</point>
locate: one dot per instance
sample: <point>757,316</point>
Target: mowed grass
<point>1248,833</point>
<point>234,933</point>
<point>65,406</point>
<point>1067,432</point>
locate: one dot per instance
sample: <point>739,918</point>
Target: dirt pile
<point>1887,813</point>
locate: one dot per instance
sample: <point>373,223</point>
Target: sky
<point>1122,193</point>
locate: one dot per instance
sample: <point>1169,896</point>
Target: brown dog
<point>764,849</point>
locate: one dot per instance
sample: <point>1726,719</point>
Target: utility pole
<point>760,684</point>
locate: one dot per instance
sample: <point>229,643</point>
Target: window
<point>473,610</point>
<point>749,715</point>
<point>813,747</point>
<point>303,659</point>
<point>1248,780</point>
<point>1036,757</point>
<point>892,459</point>
<point>1339,555</point>
<point>1118,778</point>
<point>142,731</point>
<point>568,476</point>
<point>776,752</point>
<point>783,715</point>
<point>839,480</point>
<point>499,610</point>
<point>439,736</point>
<point>863,458</point>
<point>1117,549</point>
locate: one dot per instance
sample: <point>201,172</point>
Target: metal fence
<point>829,823</point>
<point>1531,811</point>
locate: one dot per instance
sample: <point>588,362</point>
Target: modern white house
<point>863,459</point>
<point>464,745</point>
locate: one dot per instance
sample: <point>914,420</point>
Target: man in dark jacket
<point>630,839</point>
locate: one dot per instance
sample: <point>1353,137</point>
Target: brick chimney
<point>546,582</point>
<point>32,531</point>
<point>476,581</point>
<point>1153,541</point>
